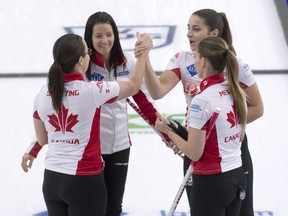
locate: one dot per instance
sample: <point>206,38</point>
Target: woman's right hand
<point>143,44</point>
<point>27,161</point>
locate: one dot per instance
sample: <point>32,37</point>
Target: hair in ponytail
<point>214,20</point>
<point>66,52</point>
<point>216,51</point>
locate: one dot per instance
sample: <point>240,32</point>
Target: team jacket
<point>182,64</point>
<point>73,132</point>
<point>114,117</point>
<point>222,151</point>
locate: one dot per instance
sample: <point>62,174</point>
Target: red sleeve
<point>36,115</point>
<point>147,109</point>
<point>35,150</point>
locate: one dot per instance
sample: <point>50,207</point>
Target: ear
<point>80,61</point>
<point>203,62</point>
<point>214,33</point>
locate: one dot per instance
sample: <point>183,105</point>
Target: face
<point>197,31</point>
<point>103,39</point>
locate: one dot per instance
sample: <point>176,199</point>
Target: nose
<point>104,39</point>
<point>189,33</point>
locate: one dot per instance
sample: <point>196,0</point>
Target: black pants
<point>247,204</point>
<point>218,194</point>
<point>70,195</point>
<point>115,173</point>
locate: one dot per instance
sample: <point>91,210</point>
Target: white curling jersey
<point>222,151</point>
<point>114,117</point>
<point>182,64</point>
<point>74,133</point>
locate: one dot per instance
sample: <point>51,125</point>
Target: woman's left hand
<point>161,124</point>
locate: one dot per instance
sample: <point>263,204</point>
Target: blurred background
<point>29,29</point>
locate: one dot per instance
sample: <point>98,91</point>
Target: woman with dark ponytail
<point>67,118</point>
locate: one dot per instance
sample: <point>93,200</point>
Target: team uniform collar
<point>212,80</point>
<point>73,77</point>
<point>99,61</point>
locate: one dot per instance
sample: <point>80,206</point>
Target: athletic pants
<point>115,173</point>
<point>217,194</point>
<point>247,204</point>
<point>71,195</point>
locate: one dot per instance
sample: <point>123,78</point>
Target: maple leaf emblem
<point>63,122</point>
<point>231,116</point>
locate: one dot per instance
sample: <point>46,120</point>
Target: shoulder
<point>242,64</point>
<point>183,55</point>
<point>246,75</point>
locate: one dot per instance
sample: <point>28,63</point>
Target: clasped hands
<point>143,44</point>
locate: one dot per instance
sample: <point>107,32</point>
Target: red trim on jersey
<point>73,77</point>
<point>242,85</point>
<point>112,100</point>
<point>36,115</point>
<point>98,60</point>
<point>211,80</point>
<point>147,109</point>
<point>35,150</point>
<point>91,162</point>
<point>177,72</point>
<point>210,161</point>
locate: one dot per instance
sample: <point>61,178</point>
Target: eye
<point>196,29</point>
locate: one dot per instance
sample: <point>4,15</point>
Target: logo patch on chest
<point>192,70</point>
<point>97,77</point>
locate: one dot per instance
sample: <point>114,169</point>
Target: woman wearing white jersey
<point>218,177</point>
<point>204,23</point>
<point>67,118</point>
<point>108,62</point>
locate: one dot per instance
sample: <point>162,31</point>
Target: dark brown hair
<point>66,53</point>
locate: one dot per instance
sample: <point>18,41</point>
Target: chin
<point>192,47</point>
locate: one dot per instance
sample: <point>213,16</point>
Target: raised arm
<point>131,87</point>
<point>158,87</point>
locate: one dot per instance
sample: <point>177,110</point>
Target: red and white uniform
<point>114,133</point>
<point>73,133</point>
<point>183,65</point>
<point>222,150</point>
<point>114,117</point>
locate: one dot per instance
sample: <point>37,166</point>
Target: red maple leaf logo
<point>63,122</point>
<point>232,117</point>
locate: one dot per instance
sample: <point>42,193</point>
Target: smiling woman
<point>21,194</point>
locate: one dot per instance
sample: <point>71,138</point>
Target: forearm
<point>180,143</point>
<point>254,113</point>
<point>137,76</point>
<point>152,82</point>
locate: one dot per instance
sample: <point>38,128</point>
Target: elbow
<point>254,114</point>
<point>156,95</point>
<point>134,89</point>
<point>194,156</point>
<point>261,112</point>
